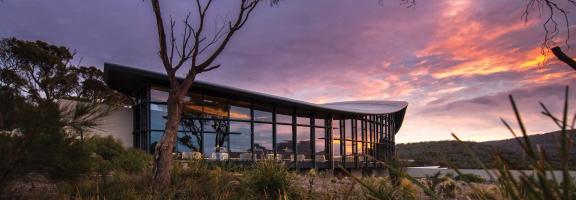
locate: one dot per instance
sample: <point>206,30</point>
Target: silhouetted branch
<point>563,57</point>
<point>551,8</point>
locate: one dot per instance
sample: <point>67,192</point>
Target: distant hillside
<point>441,153</point>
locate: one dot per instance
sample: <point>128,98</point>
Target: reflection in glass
<point>280,118</point>
<point>262,140</point>
<point>284,145</point>
<point>191,137</point>
<point>158,95</point>
<point>158,114</point>
<point>241,113</point>
<point>155,137</point>
<point>262,116</point>
<point>239,139</point>
<point>303,120</point>
<point>336,140</point>
<point>217,129</point>
<point>303,145</point>
<point>320,145</point>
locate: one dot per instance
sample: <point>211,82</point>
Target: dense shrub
<point>470,178</point>
<point>271,180</point>
<point>39,144</point>
<point>109,155</point>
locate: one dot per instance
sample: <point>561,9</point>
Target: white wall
<point>117,124</point>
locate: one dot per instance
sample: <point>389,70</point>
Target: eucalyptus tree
<point>192,52</point>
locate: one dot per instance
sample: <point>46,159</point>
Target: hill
<point>452,153</point>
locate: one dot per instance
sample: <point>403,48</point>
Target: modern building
<point>253,126</point>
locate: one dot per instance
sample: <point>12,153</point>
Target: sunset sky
<point>453,61</point>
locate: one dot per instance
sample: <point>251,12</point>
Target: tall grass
<point>539,185</point>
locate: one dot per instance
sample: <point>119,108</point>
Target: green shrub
<point>271,180</point>
<point>109,155</point>
<point>470,178</point>
<point>133,161</point>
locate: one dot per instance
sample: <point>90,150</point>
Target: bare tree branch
<point>551,9</point>
<point>189,49</point>
<point>563,57</point>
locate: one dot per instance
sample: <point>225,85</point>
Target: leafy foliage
<point>470,178</point>
<point>38,131</point>
<point>110,155</point>
<point>42,72</point>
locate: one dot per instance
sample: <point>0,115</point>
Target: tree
<point>42,74</point>
<point>39,132</point>
<point>555,13</point>
<point>189,54</point>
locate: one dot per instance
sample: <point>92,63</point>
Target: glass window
<point>158,114</point>
<point>241,113</point>
<point>336,148</point>
<point>262,113</point>
<point>319,122</point>
<point>194,106</point>
<point>262,140</point>
<point>191,135</point>
<point>348,129</point>
<point>303,145</point>
<point>239,139</point>
<point>262,116</point>
<point>157,95</point>
<point>239,110</point>
<point>218,127</point>
<point>187,142</point>
<point>280,118</point>
<point>303,120</point>
<point>320,145</point>
<point>209,144</point>
<point>336,139</point>
<point>335,129</point>
<point>284,142</point>
<point>215,107</point>
<point>155,137</point>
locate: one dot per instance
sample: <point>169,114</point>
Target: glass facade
<point>251,130</point>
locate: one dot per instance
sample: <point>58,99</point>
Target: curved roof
<point>367,107</point>
<point>127,79</point>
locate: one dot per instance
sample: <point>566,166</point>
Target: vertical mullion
<point>374,137</point>
<point>366,139</point>
<point>313,140</point>
<point>202,126</point>
<point>354,132</point>
<point>329,141</point>
<point>294,138</point>
<point>228,124</point>
<point>252,148</point>
<point>274,132</point>
<point>343,142</point>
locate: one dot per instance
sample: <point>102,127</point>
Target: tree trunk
<point>163,152</point>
